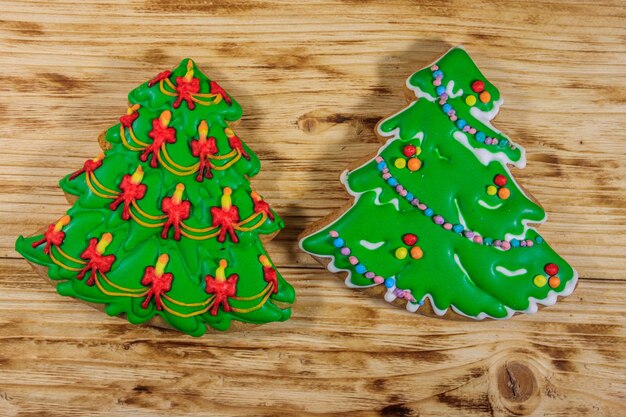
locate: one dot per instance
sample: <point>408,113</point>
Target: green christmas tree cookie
<point>437,217</point>
<point>165,227</point>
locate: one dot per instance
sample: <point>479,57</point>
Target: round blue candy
<point>437,73</point>
<point>503,142</point>
<point>461,123</point>
<point>392,181</point>
<point>421,302</point>
<point>515,243</point>
<point>488,241</point>
<point>458,228</point>
<point>390,282</point>
<point>440,90</point>
<point>447,107</point>
<point>409,197</point>
<point>381,165</point>
<point>338,243</point>
<point>539,239</point>
<point>429,212</point>
<point>360,268</point>
<point>480,136</point>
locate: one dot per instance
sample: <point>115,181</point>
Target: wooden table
<point>313,80</point>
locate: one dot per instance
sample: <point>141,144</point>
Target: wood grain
<point>314,78</point>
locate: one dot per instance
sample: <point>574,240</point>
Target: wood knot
<point>518,388</point>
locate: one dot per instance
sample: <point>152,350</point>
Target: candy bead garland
<point>503,244</point>
<point>484,96</point>
<point>361,269</point>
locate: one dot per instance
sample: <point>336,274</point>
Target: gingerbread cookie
<point>438,222</point>
<point>165,228</point>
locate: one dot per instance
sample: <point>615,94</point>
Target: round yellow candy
<point>401,253</point>
<point>416,252</point>
<point>504,193</point>
<point>492,190</point>
<point>418,150</point>
<point>540,281</point>
<point>414,164</point>
<point>400,163</point>
<point>470,100</point>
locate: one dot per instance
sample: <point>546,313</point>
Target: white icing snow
<point>510,273</point>
<point>371,245</point>
<point>450,90</point>
<point>487,206</point>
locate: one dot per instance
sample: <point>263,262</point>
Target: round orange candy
<point>416,252</point>
<point>414,164</point>
<point>504,193</point>
<point>485,96</point>
<point>554,281</point>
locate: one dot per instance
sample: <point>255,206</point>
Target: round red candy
<point>409,151</point>
<point>551,269</point>
<point>478,86</point>
<point>500,180</point>
<point>409,239</point>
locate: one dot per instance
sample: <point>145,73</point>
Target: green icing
<point>473,279</point>
<point>137,247</point>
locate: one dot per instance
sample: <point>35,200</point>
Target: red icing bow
<point>226,217</point>
<point>96,262</point>
<point>89,166</point>
<point>221,287</point>
<point>217,89</point>
<point>159,282</point>
<point>202,148</point>
<point>269,273</point>
<point>132,190</point>
<point>130,116</point>
<point>177,210</point>
<point>160,77</point>
<point>53,235</point>
<point>187,86</point>
<point>235,142</point>
<point>260,206</point>
<point>161,133</point>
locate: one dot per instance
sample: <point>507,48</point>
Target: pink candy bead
<point>478,239</point>
<point>466,128</point>
<point>386,176</point>
<point>472,131</point>
<point>453,118</point>
<point>378,279</point>
<point>529,243</point>
<point>447,226</point>
<point>399,188</point>
<point>437,82</point>
<point>403,193</point>
<point>434,68</point>
<point>379,158</point>
<point>422,207</point>
<point>353,260</point>
<point>415,202</point>
<point>506,245</point>
<point>333,233</point>
<point>370,275</point>
<point>345,251</point>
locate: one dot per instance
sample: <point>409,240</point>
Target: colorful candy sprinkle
<point>500,180</point>
<point>338,242</point>
<point>551,269</point>
<point>390,283</point>
<point>540,281</point>
<point>478,86</point>
<point>492,190</point>
<point>408,151</point>
<point>401,252</point>
<point>414,164</point>
<point>400,163</point>
<point>554,281</point>
<point>416,252</point>
<point>470,100</point>
<point>409,239</point>
<point>485,96</point>
<point>504,193</point>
